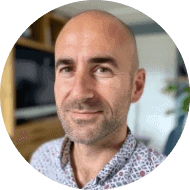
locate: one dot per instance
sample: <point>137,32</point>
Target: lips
<point>84,114</point>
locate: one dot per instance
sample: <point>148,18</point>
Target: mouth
<point>85,114</point>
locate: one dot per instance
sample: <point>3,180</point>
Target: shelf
<point>41,36</point>
<point>57,17</point>
<point>44,33</point>
<point>35,45</point>
<point>35,111</point>
<point>28,137</point>
<point>56,27</point>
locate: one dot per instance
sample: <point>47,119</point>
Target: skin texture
<point>97,78</point>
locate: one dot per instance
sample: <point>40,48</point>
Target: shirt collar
<point>115,164</point>
<point>65,151</point>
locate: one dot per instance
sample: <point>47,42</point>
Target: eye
<point>66,71</point>
<point>104,72</point>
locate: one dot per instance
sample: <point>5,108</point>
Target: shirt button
<point>102,183</point>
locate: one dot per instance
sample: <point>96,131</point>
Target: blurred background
<point>27,99</point>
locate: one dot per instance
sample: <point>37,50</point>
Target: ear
<point>138,85</point>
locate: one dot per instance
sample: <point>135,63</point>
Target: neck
<point>88,160</point>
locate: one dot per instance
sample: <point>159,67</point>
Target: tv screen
<point>34,73</point>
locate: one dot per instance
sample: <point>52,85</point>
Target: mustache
<point>88,104</point>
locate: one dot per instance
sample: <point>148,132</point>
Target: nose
<point>82,88</point>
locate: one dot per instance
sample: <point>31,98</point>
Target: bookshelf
<point>27,137</point>
<point>44,32</point>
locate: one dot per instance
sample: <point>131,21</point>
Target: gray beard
<point>104,128</point>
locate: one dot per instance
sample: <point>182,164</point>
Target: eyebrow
<point>63,62</point>
<point>94,60</point>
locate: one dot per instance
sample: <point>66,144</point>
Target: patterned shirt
<point>132,162</point>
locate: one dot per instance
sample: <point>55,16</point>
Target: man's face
<point>93,83</point>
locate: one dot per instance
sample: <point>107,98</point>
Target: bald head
<point>106,25</point>
<point>101,15</point>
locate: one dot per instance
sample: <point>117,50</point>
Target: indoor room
<point>27,85</point>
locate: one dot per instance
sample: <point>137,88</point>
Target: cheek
<point>115,92</point>
<point>60,90</point>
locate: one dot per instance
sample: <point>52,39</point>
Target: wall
<point>147,118</point>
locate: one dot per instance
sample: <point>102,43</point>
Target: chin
<point>88,131</point>
<point>88,136</point>
<point>84,136</point>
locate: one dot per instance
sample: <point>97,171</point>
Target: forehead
<point>88,43</point>
<point>93,37</point>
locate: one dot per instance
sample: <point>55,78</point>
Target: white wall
<point>147,118</point>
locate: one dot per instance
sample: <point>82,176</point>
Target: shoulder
<point>47,152</point>
<point>146,157</point>
<point>139,160</point>
<point>142,161</point>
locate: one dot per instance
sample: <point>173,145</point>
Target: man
<point>97,78</point>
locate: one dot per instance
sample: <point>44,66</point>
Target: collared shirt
<point>132,162</point>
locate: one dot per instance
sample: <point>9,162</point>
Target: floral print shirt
<point>132,162</point>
